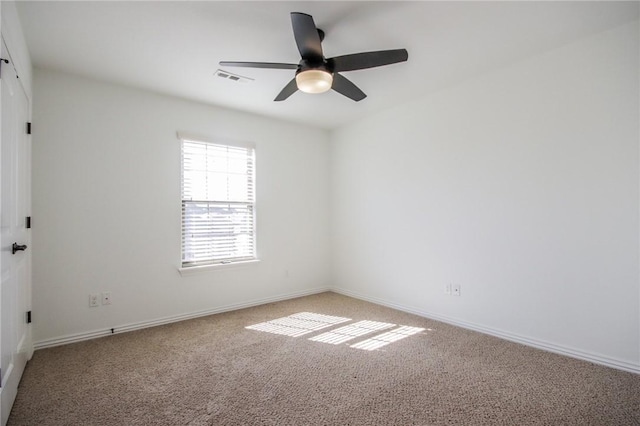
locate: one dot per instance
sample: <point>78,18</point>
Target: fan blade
<point>345,87</point>
<point>360,61</point>
<point>271,65</point>
<point>288,90</point>
<point>306,35</point>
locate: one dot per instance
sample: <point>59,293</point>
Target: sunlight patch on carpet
<point>350,332</point>
<point>298,324</point>
<point>384,339</point>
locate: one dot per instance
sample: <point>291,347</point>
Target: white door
<point>15,266</point>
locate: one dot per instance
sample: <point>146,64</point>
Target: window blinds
<point>218,214</point>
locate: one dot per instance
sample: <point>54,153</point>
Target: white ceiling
<point>174,47</point>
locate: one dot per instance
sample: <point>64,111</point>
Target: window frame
<point>222,262</point>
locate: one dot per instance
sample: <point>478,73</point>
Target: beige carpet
<point>214,371</point>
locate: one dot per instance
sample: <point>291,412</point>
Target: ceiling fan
<point>317,74</point>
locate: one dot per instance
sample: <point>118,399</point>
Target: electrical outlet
<point>106,298</point>
<point>93,300</point>
<point>447,289</point>
<point>456,289</point>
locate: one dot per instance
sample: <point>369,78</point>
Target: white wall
<point>106,207</point>
<point>520,185</point>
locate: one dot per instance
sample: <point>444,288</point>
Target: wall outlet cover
<point>456,289</point>
<point>93,300</point>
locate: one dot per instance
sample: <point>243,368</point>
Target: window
<point>218,211</point>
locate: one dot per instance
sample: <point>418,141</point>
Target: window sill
<point>192,270</point>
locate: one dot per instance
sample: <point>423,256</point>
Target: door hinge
<point>27,222</point>
<point>28,127</point>
<point>28,317</point>
<point>6,61</point>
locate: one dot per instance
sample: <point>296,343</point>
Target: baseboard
<point>78,337</point>
<point>536,343</point>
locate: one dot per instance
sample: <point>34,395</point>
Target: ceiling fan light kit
<point>314,81</point>
<point>317,74</point>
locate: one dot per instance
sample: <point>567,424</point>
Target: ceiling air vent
<point>233,77</point>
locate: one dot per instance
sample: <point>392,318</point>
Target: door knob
<point>17,247</point>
